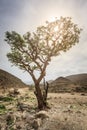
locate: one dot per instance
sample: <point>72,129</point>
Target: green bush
<point>6,99</point>
<point>2,107</point>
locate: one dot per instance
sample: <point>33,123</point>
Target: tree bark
<point>45,92</point>
<point>39,96</point>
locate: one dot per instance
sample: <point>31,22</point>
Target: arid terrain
<point>8,80</point>
<point>75,83</point>
<point>67,106</point>
<point>68,111</point>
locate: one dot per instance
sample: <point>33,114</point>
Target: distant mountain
<point>75,83</point>
<point>62,80</point>
<point>8,80</point>
<point>61,84</point>
<point>77,78</point>
<point>80,80</point>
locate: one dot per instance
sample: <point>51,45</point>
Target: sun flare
<point>52,19</point>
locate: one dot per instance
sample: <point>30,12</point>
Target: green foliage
<point>2,108</point>
<point>33,52</point>
<point>6,99</point>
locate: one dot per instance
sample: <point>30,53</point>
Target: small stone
<point>78,112</point>
<point>36,123</point>
<point>42,114</point>
<point>83,94</point>
<point>25,114</point>
<point>70,106</point>
<point>65,118</point>
<point>14,127</point>
<point>18,127</point>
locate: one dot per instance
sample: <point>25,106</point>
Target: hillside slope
<point>76,83</point>
<point>8,80</point>
<point>80,80</point>
<point>62,84</point>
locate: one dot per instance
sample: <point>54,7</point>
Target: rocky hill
<point>61,84</point>
<point>80,80</point>
<point>7,80</point>
<point>76,83</point>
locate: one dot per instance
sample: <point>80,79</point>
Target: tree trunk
<point>46,86</point>
<point>39,96</point>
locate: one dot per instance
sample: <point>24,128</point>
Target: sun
<point>52,19</point>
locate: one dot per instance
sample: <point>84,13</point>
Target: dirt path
<point>68,112</point>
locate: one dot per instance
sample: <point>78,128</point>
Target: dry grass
<point>67,111</point>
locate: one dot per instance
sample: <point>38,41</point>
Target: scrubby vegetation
<point>66,111</point>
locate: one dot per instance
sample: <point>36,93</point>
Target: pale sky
<point>26,15</point>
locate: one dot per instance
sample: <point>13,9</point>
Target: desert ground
<point>67,111</point>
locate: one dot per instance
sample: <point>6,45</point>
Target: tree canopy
<point>34,51</point>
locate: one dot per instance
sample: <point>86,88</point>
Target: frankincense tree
<point>33,52</point>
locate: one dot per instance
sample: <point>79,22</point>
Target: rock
<point>68,110</point>
<point>65,118</point>
<point>42,114</point>
<point>70,106</point>
<point>25,114</point>
<point>28,117</point>
<point>9,118</point>
<point>13,92</point>
<point>22,107</point>
<point>83,94</point>
<point>14,127</point>
<point>17,115</point>
<point>36,123</point>
<point>18,127</point>
<point>79,112</point>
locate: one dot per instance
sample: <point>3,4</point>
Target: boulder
<point>42,114</point>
